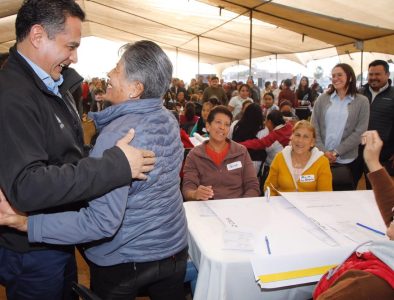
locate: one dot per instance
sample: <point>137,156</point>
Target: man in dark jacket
<point>380,94</point>
<point>42,168</point>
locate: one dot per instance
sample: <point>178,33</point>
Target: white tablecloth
<point>227,274</point>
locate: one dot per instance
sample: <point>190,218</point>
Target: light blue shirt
<point>336,117</point>
<point>51,84</point>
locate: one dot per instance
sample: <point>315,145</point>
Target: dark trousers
<point>344,176</point>
<point>37,275</point>
<point>163,279</point>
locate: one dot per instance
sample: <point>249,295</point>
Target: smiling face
<point>59,51</point>
<point>304,82</point>
<point>339,79</point>
<point>377,77</point>
<point>119,89</point>
<point>218,129</point>
<point>302,140</point>
<point>244,92</point>
<point>268,101</point>
<point>215,83</point>
<point>180,97</point>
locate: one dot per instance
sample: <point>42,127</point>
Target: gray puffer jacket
<point>141,223</point>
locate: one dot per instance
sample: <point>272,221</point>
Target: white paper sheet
<point>198,139</point>
<point>319,226</point>
<point>338,213</point>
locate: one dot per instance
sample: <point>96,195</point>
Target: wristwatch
<point>335,153</point>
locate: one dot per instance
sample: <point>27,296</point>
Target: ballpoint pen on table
<point>267,243</point>
<point>267,194</point>
<point>370,228</point>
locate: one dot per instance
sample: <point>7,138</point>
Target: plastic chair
<point>303,113</point>
<point>191,275</point>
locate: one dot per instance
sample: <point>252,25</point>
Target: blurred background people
<point>286,94</point>
<point>268,104</point>
<point>251,126</point>
<point>215,90</point>
<point>235,104</point>
<point>188,119</point>
<point>199,127</point>
<point>254,90</point>
<point>279,130</point>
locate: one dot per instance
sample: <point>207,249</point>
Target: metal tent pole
<point>198,54</point>
<point>250,42</point>
<point>362,59</point>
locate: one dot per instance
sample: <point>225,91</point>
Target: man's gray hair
<point>146,62</point>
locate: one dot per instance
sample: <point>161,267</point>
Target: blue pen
<point>369,228</point>
<point>267,243</point>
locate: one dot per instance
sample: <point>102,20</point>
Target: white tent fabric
<point>218,31</point>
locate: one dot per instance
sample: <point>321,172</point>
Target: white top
<point>236,102</point>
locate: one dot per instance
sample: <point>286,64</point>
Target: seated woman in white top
<point>235,104</point>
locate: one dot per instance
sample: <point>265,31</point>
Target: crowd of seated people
<point>279,106</point>
<point>278,111</point>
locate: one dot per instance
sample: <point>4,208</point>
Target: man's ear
<point>37,33</point>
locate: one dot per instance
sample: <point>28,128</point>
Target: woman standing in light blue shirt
<point>340,116</point>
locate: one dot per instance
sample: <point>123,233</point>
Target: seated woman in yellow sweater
<point>300,167</point>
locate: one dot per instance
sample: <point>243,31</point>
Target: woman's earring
<point>130,96</point>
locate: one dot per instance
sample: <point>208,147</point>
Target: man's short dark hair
<point>214,78</point>
<point>380,62</point>
<point>50,14</point>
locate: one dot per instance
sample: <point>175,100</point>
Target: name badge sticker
<point>234,165</point>
<point>307,178</point>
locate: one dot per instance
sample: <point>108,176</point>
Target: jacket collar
<point>234,151</point>
<point>141,106</point>
<point>315,154</point>
<point>16,61</point>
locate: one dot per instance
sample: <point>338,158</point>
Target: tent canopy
<point>220,30</point>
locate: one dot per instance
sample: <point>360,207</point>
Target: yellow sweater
<point>316,175</point>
